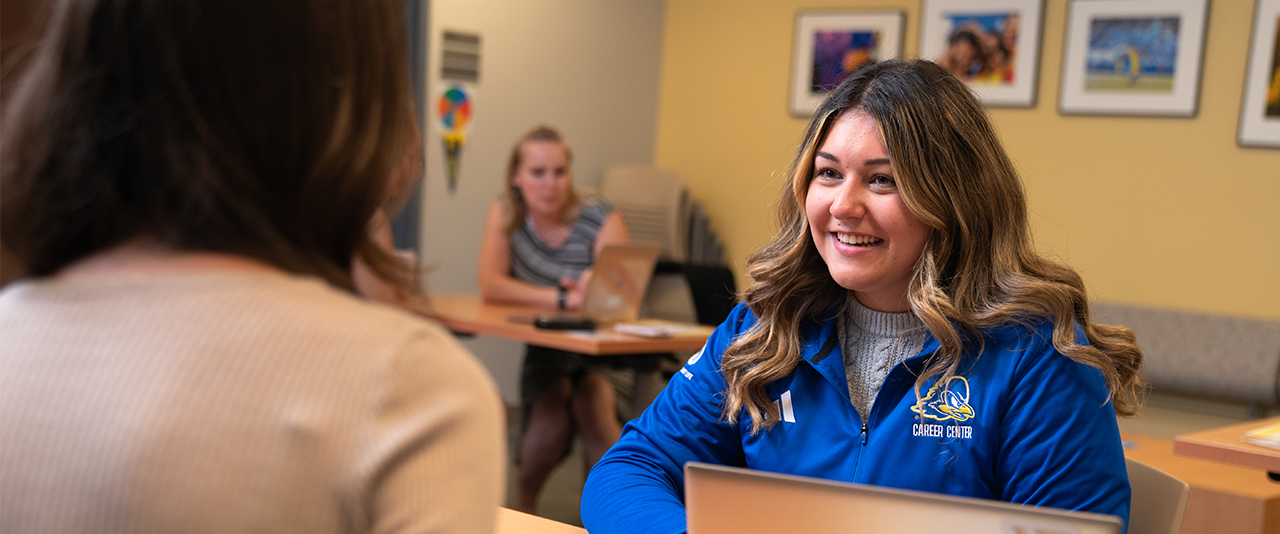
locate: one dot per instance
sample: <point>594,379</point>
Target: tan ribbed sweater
<point>237,402</point>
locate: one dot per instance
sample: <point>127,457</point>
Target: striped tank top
<point>534,262</point>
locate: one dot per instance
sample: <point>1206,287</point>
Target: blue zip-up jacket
<point>1022,424</point>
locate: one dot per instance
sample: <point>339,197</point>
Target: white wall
<point>588,67</point>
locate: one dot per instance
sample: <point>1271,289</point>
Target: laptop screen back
<point>620,278</point>
<point>724,500</point>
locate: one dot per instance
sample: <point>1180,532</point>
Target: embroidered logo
<point>946,401</point>
<point>692,360</point>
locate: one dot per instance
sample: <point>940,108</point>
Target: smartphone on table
<point>563,322</point>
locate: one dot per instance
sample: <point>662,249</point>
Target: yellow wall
<point>1164,212</point>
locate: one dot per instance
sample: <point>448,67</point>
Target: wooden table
<point>1224,445</point>
<point>513,522</point>
<point>469,314</point>
<point>1224,498</point>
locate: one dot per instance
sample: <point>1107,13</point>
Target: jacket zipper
<point>861,452</point>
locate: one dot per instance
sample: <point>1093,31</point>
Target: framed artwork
<point>829,45</point>
<point>993,45</point>
<point>1133,57</point>
<point>1260,110</point>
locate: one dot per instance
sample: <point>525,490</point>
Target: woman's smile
<point>858,240</point>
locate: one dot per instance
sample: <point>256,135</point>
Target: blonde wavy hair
<point>979,269</point>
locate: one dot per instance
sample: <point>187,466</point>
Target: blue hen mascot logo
<point>946,401</point>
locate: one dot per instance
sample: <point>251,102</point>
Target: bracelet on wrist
<point>561,295</point>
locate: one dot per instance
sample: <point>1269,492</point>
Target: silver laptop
<point>617,287</point>
<point>620,278</point>
<point>730,500</point>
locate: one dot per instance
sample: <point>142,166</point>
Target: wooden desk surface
<point>1224,445</point>
<point>513,522</point>
<point>469,314</point>
<point>1201,473</point>
<point>1224,498</point>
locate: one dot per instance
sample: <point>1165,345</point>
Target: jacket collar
<point>821,349</point>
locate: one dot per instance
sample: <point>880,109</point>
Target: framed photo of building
<point>829,45</point>
<point>1133,57</point>
<point>1260,109</point>
<point>993,45</point>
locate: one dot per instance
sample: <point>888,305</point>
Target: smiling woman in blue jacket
<point>900,330</point>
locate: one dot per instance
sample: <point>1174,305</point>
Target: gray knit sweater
<point>873,342</point>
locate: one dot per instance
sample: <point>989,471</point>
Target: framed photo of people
<point>1133,57</point>
<point>1260,110</point>
<point>829,45</point>
<point>993,45</point>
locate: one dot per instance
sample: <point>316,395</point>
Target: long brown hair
<point>979,269</point>
<point>264,129</point>
<point>516,208</point>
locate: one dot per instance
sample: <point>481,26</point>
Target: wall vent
<point>461,61</point>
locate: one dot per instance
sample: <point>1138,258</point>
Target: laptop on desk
<point>731,500</point>
<point>617,287</point>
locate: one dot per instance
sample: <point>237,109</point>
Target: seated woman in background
<point>900,331</point>
<point>540,241</point>
<point>185,185</point>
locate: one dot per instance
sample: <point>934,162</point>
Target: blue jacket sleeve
<point>1062,449</point>
<point>638,486</point>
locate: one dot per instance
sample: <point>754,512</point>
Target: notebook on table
<point>730,500</point>
<point>617,287</point>
<point>1266,436</point>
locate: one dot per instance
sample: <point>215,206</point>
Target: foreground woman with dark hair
<point>186,184</point>
<point>901,331</point>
